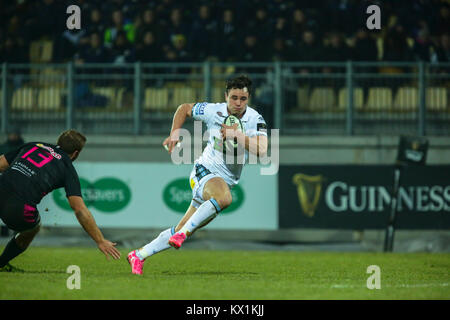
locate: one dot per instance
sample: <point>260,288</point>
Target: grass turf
<point>228,275</point>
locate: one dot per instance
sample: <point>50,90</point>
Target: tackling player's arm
<point>9,157</point>
<point>87,221</point>
<point>3,163</point>
<point>183,111</point>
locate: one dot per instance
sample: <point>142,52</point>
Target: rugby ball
<point>231,145</point>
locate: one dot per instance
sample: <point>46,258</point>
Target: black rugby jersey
<point>38,168</point>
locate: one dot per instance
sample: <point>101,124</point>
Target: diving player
<point>29,173</point>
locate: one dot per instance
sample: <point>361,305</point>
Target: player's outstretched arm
<point>183,111</point>
<point>87,221</point>
<point>3,163</point>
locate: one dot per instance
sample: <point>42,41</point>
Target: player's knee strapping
<point>216,205</point>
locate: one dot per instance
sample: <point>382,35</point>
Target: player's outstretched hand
<point>170,142</point>
<point>107,247</point>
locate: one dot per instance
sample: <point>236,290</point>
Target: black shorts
<point>16,214</point>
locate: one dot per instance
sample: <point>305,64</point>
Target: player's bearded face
<point>237,100</point>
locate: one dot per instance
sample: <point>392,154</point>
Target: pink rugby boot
<point>137,265</point>
<point>177,240</point>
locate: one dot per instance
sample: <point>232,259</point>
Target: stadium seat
<point>217,70</point>
<point>257,92</point>
<point>218,94</point>
<point>196,84</point>
<point>379,98</point>
<point>218,91</point>
<point>182,95</point>
<point>358,98</point>
<point>156,99</point>
<point>41,51</point>
<point>52,77</point>
<point>47,51</point>
<point>436,99</point>
<point>119,101</point>
<point>198,87</point>
<point>108,92</point>
<point>175,84</point>
<point>23,99</point>
<point>406,99</point>
<point>380,47</point>
<point>410,41</point>
<point>49,99</point>
<point>35,48</point>
<point>321,99</point>
<point>302,99</point>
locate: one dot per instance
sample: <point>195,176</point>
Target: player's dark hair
<point>71,140</point>
<point>240,82</point>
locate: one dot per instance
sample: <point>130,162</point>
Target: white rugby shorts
<point>200,175</point>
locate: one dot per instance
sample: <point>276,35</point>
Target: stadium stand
<point>405,39</point>
<point>292,32</point>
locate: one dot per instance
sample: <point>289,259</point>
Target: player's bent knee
<point>225,201</point>
<point>33,231</point>
<point>24,238</point>
<point>36,229</point>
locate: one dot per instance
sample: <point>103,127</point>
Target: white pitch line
<point>419,285</point>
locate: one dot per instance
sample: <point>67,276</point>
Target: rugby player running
<point>29,173</point>
<point>211,177</point>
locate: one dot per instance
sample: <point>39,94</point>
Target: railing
<point>298,98</point>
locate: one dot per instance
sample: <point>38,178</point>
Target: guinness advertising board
<point>359,196</point>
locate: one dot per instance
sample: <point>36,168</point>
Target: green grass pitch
<point>227,275</point>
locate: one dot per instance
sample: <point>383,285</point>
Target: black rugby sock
<point>11,251</point>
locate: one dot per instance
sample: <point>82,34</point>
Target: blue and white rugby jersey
<point>213,158</point>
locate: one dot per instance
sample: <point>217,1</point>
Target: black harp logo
<point>308,190</point>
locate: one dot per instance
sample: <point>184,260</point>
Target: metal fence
<point>298,98</point>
